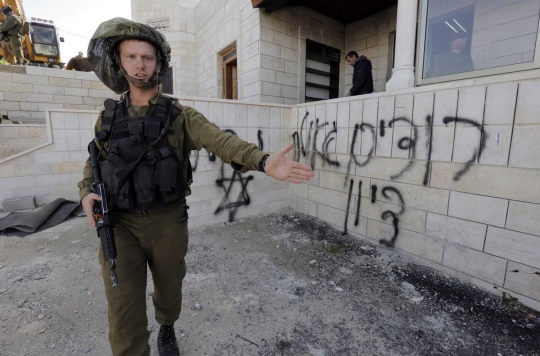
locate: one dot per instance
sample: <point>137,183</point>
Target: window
<point>469,38</point>
<point>230,76</point>
<point>322,72</point>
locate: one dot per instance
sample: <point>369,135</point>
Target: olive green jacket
<point>12,26</point>
<point>191,131</point>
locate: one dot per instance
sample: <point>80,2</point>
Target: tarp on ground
<point>26,223</point>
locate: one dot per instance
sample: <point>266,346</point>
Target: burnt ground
<point>282,284</point>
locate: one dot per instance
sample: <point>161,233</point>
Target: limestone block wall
<point>53,169</point>
<point>282,52</point>
<point>26,92</point>
<point>449,176</point>
<point>220,26</point>
<point>370,37</point>
<point>15,139</point>
<point>176,20</point>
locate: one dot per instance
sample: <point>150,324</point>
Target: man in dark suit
<point>362,77</point>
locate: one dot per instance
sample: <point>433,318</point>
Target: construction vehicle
<point>41,46</point>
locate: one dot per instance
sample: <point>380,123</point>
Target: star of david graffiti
<point>227,184</point>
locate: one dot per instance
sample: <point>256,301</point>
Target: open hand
<point>280,167</point>
<point>88,207</point>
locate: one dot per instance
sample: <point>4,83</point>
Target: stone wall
<point>370,37</point>
<point>218,193</point>
<point>283,51</point>
<point>26,92</point>
<point>449,176</point>
<point>15,139</point>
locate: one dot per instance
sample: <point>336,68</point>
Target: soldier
<point>145,143</point>
<point>13,25</point>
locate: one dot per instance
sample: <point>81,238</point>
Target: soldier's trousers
<point>15,46</point>
<point>157,238</point>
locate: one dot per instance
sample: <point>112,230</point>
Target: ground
<point>282,284</point>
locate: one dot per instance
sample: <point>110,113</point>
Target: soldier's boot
<point>166,340</point>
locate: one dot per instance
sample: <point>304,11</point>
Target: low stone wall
<point>15,139</point>
<point>218,193</point>
<point>449,176</point>
<point>26,92</point>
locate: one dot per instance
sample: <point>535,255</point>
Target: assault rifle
<point>101,214</point>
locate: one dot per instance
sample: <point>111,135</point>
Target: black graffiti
<point>261,142</point>
<point>395,222</point>
<point>429,134</point>
<point>311,143</point>
<point>305,145</point>
<point>357,217</point>
<point>345,231</point>
<point>227,184</point>
<point>406,143</point>
<point>373,193</point>
<point>477,151</point>
<point>353,158</point>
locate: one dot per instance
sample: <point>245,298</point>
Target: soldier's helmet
<point>7,10</point>
<point>103,51</point>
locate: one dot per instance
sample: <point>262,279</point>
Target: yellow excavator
<point>41,46</point>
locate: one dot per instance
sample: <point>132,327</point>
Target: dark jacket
<point>362,77</point>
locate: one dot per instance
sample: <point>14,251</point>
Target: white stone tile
<point>442,143</point>
<point>331,215</point>
<point>275,117</point>
<point>216,113</point>
<point>466,144</point>
<point>423,107</point>
<point>400,146</point>
<point>307,207</point>
<point>497,146</point>
<point>528,105</point>
<point>523,217</point>
<point>369,115</point>
<point>488,180</point>
<point>203,108</point>
<point>241,116</point>
<point>500,103</point>
<point>525,147</point>
<point>229,115</point>
<point>408,241</point>
<point>356,112</point>
<point>487,210</point>
<point>331,113</point>
<point>343,115</point>
<point>523,279</point>
<point>457,231</point>
<point>74,140</point>
<point>471,103</point>
<point>383,147</point>
<point>480,265</point>
<point>515,246</point>
<point>445,106</point>
<point>253,116</point>
<point>403,109</point>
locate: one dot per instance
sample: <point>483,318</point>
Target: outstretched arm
<point>282,168</point>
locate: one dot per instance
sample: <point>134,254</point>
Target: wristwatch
<point>262,164</point>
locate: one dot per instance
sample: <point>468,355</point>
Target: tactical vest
<point>141,170</point>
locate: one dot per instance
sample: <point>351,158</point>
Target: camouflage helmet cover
<point>7,10</point>
<point>102,50</point>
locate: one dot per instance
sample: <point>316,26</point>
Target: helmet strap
<point>140,83</point>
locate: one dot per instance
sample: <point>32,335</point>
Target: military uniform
<point>158,237</point>
<point>13,26</point>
